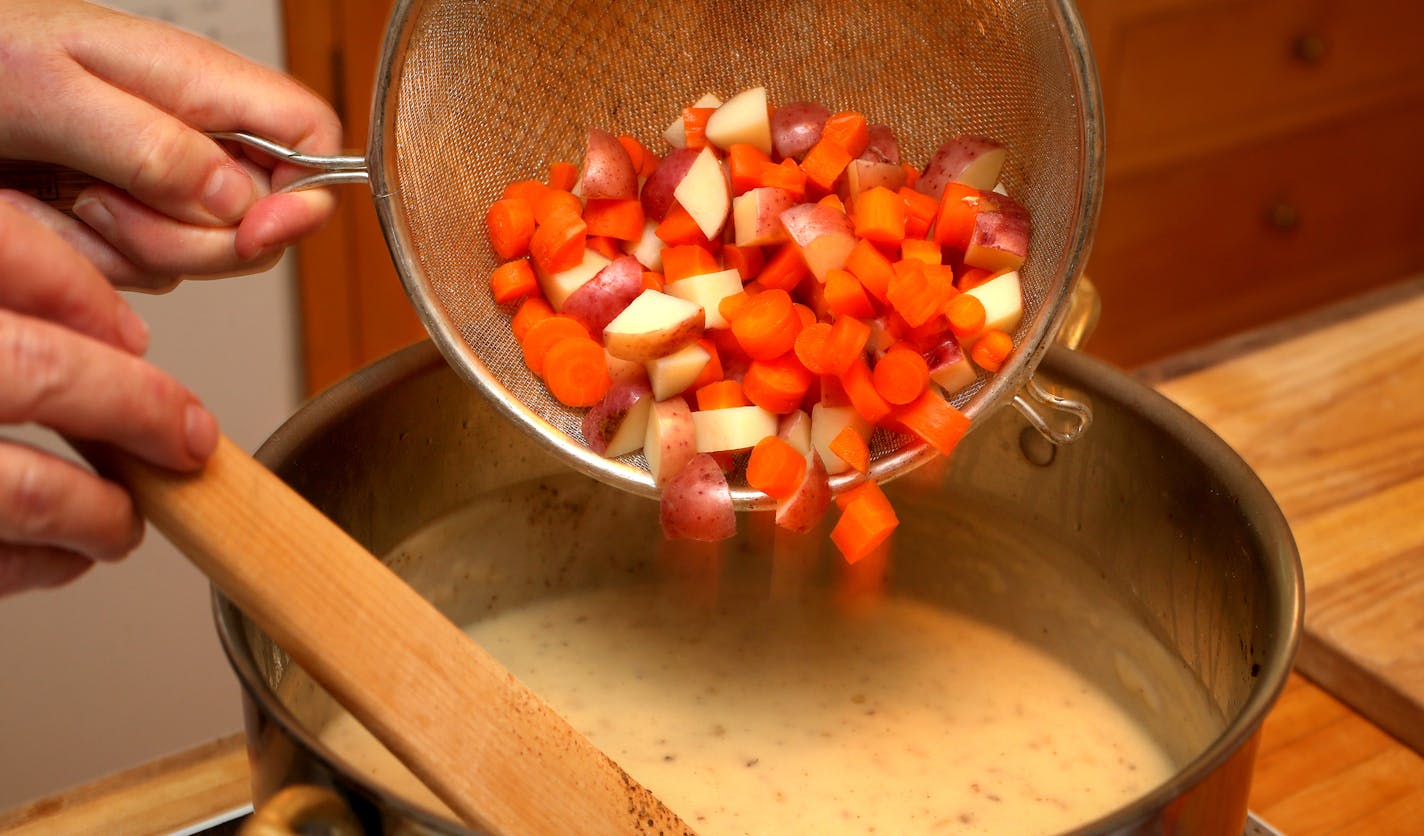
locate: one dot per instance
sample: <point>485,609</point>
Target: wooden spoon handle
<point>483,743</point>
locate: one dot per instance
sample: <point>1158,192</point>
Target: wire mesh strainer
<point>473,95</point>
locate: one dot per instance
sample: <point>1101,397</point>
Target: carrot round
<point>934,419</point>
<point>851,447</point>
<point>559,241</point>
<point>510,223</point>
<point>531,310</point>
<point>901,375</point>
<point>778,385</point>
<point>542,336</point>
<point>785,269</point>
<point>860,389</point>
<point>775,467</point>
<point>513,280</point>
<point>621,219</point>
<point>530,190</point>
<point>992,349</point>
<point>845,295</point>
<point>563,175</point>
<point>768,326</point>
<point>966,316</point>
<point>576,371</point>
<point>720,394</point>
<point>553,201</point>
<point>812,348</point>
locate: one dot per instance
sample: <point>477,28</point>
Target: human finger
<point>81,387</point>
<point>24,568</point>
<point>41,275</point>
<point>48,501</point>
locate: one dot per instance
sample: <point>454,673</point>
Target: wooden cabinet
<point>1263,158</point>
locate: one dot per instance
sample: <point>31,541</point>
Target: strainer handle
<point>332,171</point>
<point>1059,418</point>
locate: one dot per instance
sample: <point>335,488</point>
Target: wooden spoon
<point>480,740</point>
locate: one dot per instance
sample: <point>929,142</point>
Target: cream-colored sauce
<point>779,718</point>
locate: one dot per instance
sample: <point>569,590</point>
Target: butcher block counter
<point>1329,410</point>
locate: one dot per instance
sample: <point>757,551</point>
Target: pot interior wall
<point>1144,555</point>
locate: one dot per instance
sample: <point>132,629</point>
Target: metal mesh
<point>474,95</point>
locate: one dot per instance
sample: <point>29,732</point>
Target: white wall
<point>124,666</point>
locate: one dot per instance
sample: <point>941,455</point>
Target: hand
<point>71,359</point>
<point>129,101</point>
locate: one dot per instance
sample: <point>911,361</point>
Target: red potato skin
<point>608,172</point>
<point>809,221</point>
<point>644,348</point>
<point>603,420</point>
<point>603,297</point>
<point>804,509</point>
<point>657,190</point>
<point>795,127</point>
<point>1001,234</point>
<point>677,443</point>
<point>884,146</point>
<point>696,503</point>
<point>951,158</point>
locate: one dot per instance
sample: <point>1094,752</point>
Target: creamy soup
<point>754,716</point>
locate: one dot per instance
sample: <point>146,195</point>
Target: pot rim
<point>1075,369</point>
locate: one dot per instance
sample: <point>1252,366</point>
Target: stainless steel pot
<point>1146,554</point>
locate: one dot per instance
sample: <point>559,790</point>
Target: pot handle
<point>302,805</point>
<point>1059,418</point>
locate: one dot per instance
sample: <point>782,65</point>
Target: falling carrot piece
<point>966,316</point>
<point>621,219</point>
<point>510,223</point>
<point>775,467</point>
<point>778,385</point>
<point>860,389</point>
<point>576,371</point>
<point>683,260</point>
<point>542,336</point>
<point>563,175</point>
<point>720,394</point>
<point>991,349</point>
<point>866,521</point>
<point>530,311</point>
<point>513,280</point>
<point>768,326</point>
<point>844,295</point>
<point>900,375</point>
<point>879,216</point>
<point>934,419</point>
<point>851,447</point>
<point>848,130</point>
<point>559,242</point>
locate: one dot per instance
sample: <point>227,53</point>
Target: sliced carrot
<point>678,227</point>
<point>918,292</point>
<point>530,311</point>
<point>807,316</point>
<point>563,175</point>
<point>732,307</point>
<point>720,394</point>
<point>512,281</point>
<point>635,149</point>
<point>879,216</point>
<point>683,260</point>
<point>604,246</point>
<point>972,277</point>
<point>744,164</point>
<point>860,389</point>
<point>621,219</point>
<point>775,467</point>
<point>849,130</point>
<point>653,280</point>
<point>767,328</point>
<point>542,336</point>
<point>900,375</point>
<point>954,219</point>
<point>833,201</point>
<point>555,201</point>
<point>867,520</point>
<point>824,163</point>
<point>934,419</point>
<point>747,261</point>
<point>713,371</point>
<point>559,241</point>
<point>844,295</point>
<point>851,447</point>
<point>785,269</point>
<point>576,371</point>
<point>873,269</point>
<point>927,252</point>
<point>694,125</point>
<point>777,385</point>
<point>788,176</point>
<point>510,223</point>
<point>812,347</point>
<point>849,337</point>
<point>920,211</point>
<point>912,174</point>
<point>966,316</point>
<point>529,190</point>
<point>991,349</point>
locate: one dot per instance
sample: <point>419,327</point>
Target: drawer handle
<point>1310,49</point>
<point>1283,217</point>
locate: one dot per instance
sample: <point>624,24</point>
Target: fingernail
<point>202,431</point>
<point>228,193</point>
<point>133,331</point>
<point>92,211</point>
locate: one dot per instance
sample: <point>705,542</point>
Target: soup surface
<point>747,715</point>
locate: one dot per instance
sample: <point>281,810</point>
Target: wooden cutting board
<point>1333,422</point>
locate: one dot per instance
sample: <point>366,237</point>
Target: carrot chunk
<point>866,521</point>
<point>513,280</point>
<point>860,389</point>
<point>775,467</point>
<point>563,175</point>
<point>872,268</point>
<point>530,311</point>
<point>851,447</point>
<point>510,223</point>
<point>683,260</point>
<point>933,419</point>
<point>559,241</point>
<point>720,394</point>
<point>768,326</point>
<point>879,216</point>
<point>576,371</point>
<point>844,295</point>
<point>777,385</point>
<point>966,316</point>
<point>542,336</point>
<point>849,130</point>
<point>901,375</point>
<point>991,349</point>
<point>621,219</point>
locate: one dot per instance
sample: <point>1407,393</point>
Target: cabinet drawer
<point>1229,242</point>
<point>1188,78</point>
